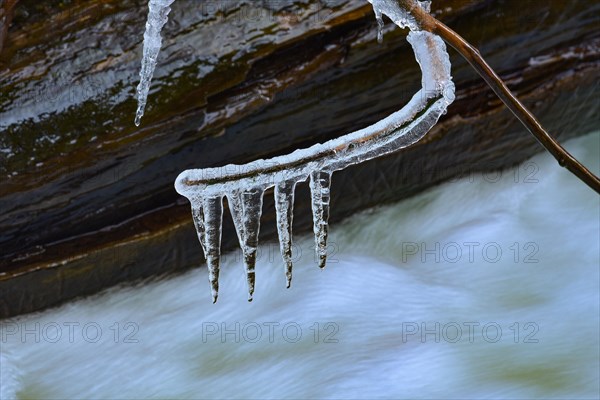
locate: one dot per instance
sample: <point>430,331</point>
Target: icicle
<point>157,18</point>
<point>208,219</point>
<point>284,206</point>
<point>380,24</point>
<point>320,184</point>
<point>246,209</point>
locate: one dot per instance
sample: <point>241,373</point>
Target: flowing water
<point>487,286</point>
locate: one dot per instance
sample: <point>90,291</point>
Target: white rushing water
<point>509,261</point>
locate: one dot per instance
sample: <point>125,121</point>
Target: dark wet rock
<point>87,199</point>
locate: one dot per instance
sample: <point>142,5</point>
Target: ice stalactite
<point>320,184</point>
<point>244,185</point>
<point>284,207</point>
<point>246,209</point>
<point>208,219</point>
<point>158,15</point>
<point>380,24</point>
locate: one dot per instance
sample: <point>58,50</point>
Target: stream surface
<point>484,287</point>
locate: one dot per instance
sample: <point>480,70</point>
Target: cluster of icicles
<point>244,185</point>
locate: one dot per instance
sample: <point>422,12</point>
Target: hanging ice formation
<point>158,14</point>
<point>245,185</point>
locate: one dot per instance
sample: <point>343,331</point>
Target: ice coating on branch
<point>245,185</point>
<point>396,13</point>
<point>158,13</point>
<point>246,209</point>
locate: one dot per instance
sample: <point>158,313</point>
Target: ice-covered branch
<point>244,185</point>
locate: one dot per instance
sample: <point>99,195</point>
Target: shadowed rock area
<point>87,198</point>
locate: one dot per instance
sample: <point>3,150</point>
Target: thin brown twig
<point>474,58</point>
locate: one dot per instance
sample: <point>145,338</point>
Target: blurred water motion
<point>486,287</point>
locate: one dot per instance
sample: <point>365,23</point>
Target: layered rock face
<point>87,198</point>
